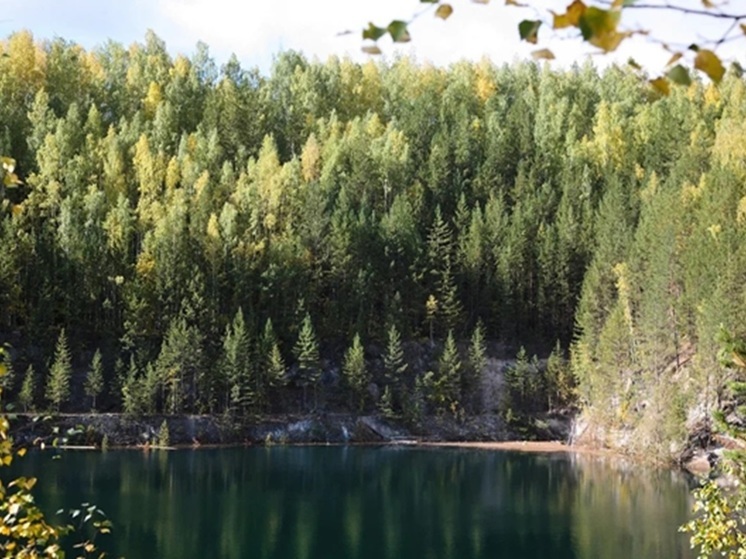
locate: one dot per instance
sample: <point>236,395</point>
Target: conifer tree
<point>58,384</point>
<point>355,372</point>
<point>306,351</point>
<point>27,394</point>
<point>236,366</point>
<point>446,384</point>
<point>394,364</point>
<point>477,363</point>
<point>94,382</point>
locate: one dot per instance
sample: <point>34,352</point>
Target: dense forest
<point>204,239</point>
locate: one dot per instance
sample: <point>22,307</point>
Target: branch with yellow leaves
<point>598,24</point>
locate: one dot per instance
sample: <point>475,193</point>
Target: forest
<point>189,238</point>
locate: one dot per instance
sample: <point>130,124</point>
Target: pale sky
<point>256,30</point>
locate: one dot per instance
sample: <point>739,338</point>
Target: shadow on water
<point>366,503</point>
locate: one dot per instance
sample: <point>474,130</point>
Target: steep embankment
<point>195,430</point>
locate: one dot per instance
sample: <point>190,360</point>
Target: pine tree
<point>448,379</point>
<point>6,364</point>
<point>306,351</point>
<point>58,384</point>
<point>477,363</point>
<point>393,360</point>
<point>355,372</point>
<point>236,366</point>
<point>28,389</point>
<point>94,382</point>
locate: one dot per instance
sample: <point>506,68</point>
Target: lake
<point>370,503</point>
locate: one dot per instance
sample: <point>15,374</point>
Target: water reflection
<point>365,503</point>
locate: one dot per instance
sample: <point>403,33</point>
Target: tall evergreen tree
<point>306,351</point>
<point>58,383</point>
<point>94,381</point>
<point>355,372</point>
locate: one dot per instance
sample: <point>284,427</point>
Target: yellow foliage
<point>145,265</point>
<point>311,159</point>
<point>152,99</point>
<point>181,67</point>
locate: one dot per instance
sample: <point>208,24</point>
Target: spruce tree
<point>306,351</point>
<point>355,372</point>
<point>236,367</point>
<point>448,379</point>
<point>477,363</point>
<point>394,366</point>
<point>28,389</point>
<point>94,382</point>
<point>58,384</point>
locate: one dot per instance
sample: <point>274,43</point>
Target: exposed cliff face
<point>120,430</point>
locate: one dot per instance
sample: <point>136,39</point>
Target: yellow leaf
<point>708,4</point>
<point>507,3</point>
<point>371,49</point>
<point>674,58</point>
<point>21,452</point>
<point>543,54</point>
<point>743,27</point>
<point>444,11</point>
<point>709,63</point>
<point>571,17</point>
<point>661,85</point>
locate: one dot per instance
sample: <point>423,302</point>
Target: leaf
<point>444,11</point>
<point>709,63</point>
<point>677,56</point>
<point>429,1</point>
<point>529,30</point>
<point>743,27</point>
<point>398,31</point>
<point>599,28</point>
<point>507,3</point>
<point>633,64</point>
<point>371,49</point>
<point>21,452</point>
<point>571,17</point>
<point>543,54</point>
<point>679,75</point>
<point>373,32</point>
<point>661,85</point>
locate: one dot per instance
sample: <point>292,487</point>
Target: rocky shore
<point>197,430</point>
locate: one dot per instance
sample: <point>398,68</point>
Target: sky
<point>256,30</point>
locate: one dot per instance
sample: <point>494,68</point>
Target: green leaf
<point>373,32</point>
<point>599,28</point>
<point>444,11</point>
<point>371,49</point>
<point>399,32</point>
<point>679,75</point>
<point>429,1</point>
<point>529,30</point>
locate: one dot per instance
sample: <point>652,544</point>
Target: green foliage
<point>472,380</point>
<point>599,26</point>
<point>24,528</point>
<point>27,395</point>
<point>164,438</point>
<point>445,385</point>
<point>58,385</point>
<point>236,367</point>
<point>355,372</point>
<point>559,379</point>
<point>94,382</point>
<point>306,351</point>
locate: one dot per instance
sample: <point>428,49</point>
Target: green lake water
<point>370,503</point>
